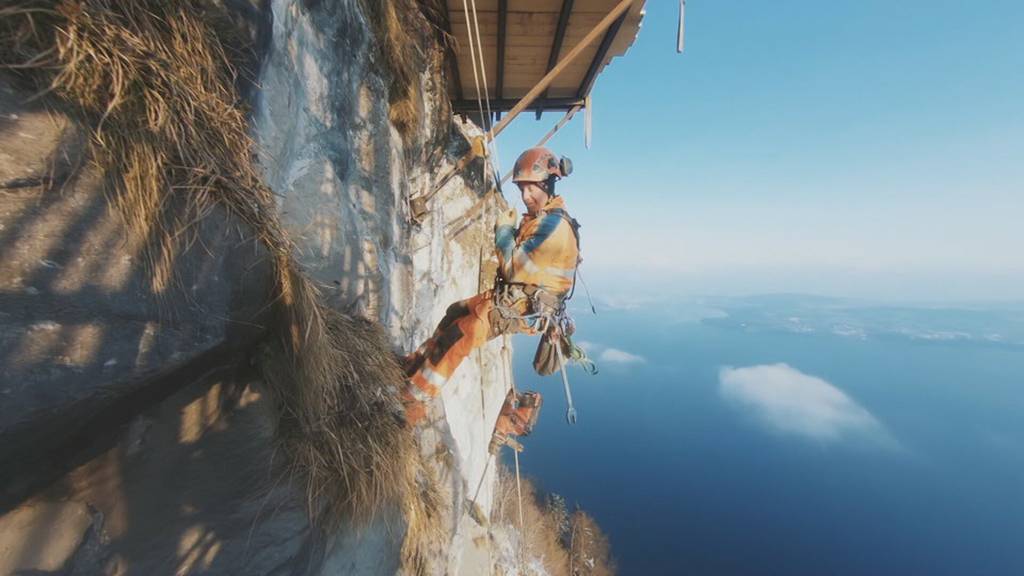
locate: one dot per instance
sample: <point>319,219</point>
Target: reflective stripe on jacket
<point>543,253</point>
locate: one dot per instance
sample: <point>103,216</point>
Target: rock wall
<point>129,440</point>
<point>344,175</point>
<point>133,437</point>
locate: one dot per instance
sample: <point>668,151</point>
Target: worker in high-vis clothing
<point>536,269</point>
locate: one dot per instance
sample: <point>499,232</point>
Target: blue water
<point>684,481</point>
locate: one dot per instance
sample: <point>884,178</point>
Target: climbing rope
<point>480,260</point>
<point>492,159</point>
<point>493,142</point>
<point>472,54</point>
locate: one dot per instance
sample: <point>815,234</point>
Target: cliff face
<point>135,433</point>
<point>344,173</point>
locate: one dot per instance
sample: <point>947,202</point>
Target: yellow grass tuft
<point>402,56</point>
<point>153,82</point>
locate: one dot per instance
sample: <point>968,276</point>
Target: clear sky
<point>855,148</point>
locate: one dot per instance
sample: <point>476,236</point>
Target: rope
<point>480,266</point>
<point>522,528</point>
<point>510,384</point>
<point>495,157</point>
<point>483,72</point>
<point>462,223</point>
<point>472,54</point>
<point>475,53</point>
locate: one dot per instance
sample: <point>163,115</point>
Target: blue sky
<point>869,149</point>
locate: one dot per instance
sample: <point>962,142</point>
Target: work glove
<point>505,233</point>
<point>506,218</point>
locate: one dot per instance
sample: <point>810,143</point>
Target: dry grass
<point>338,427</point>
<point>589,550</point>
<point>564,543</point>
<point>403,57</point>
<point>153,82</point>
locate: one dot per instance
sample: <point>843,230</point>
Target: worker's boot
<point>415,410</point>
<point>517,418</point>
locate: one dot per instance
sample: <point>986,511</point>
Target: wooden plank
<point>518,38</point>
<point>626,36</point>
<point>502,23</point>
<point>465,57</point>
<point>603,6</point>
<point>513,42</point>
<point>598,61</point>
<point>514,92</point>
<point>508,103</point>
<point>519,69</point>
<point>528,24</point>
<point>531,60</point>
<point>556,43</point>
<point>542,26</point>
<point>616,15</point>
<point>526,70</point>
<point>560,29</point>
<point>622,42</point>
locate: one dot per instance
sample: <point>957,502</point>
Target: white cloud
<point>788,401</point>
<point>614,355</point>
<point>627,303</point>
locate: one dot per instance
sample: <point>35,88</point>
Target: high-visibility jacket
<point>543,252</point>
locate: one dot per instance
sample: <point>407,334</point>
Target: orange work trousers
<point>467,325</point>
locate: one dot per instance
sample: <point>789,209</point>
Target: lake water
<point>791,435</point>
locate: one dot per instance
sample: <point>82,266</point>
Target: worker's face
<point>534,196</point>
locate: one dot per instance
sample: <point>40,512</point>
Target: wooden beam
<point>602,53</point>
<point>503,104</point>
<point>502,21</point>
<point>556,43</point>
<point>614,16</point>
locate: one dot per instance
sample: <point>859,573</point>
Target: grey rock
<point>130,406</point>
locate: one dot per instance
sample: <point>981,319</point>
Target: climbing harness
<point>548,314</point>
<point>539,305</point>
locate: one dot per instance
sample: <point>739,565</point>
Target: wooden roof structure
<point>524,39</point>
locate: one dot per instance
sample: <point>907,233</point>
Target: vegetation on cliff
<point>551,540</point>
<point>156,86</point>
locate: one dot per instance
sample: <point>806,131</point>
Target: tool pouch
<point>545,360</point>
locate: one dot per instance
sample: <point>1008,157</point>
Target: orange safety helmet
<point>539,164</point>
